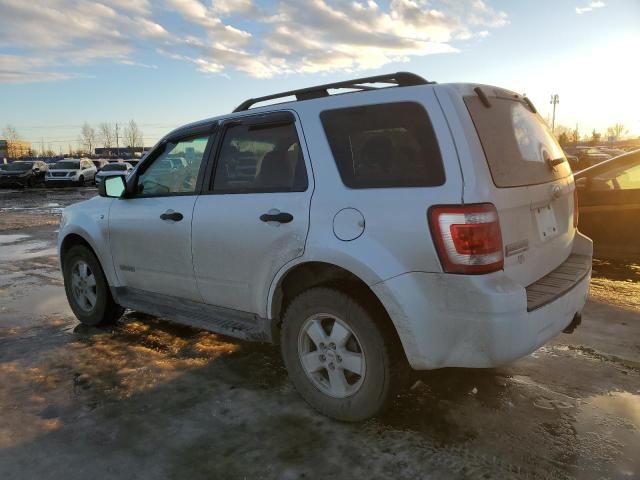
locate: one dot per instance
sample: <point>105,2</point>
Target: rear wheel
<point>336,355</point>
<point>87,289</point>
<point>81,181</point>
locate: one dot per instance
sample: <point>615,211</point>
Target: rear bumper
<point>480,321</point>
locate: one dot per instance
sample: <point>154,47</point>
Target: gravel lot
<point>149,399</point>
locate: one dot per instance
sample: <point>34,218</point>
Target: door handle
<point>171,215</point>
<point>280,217</point>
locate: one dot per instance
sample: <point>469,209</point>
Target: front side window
<point>259,159</point>
<point>175,170</point>
<point>384,146</point>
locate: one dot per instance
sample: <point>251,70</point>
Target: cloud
<point>328,35</point>
<point>17,69</point>
<point>48,37</point>
<point>222,36</point>
<point>590,7</point>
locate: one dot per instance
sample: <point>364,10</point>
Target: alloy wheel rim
<point>331,355</point>
<point>83,286</point>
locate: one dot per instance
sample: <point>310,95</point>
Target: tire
<point>363,395</point>
<point>103,310</point>
<point>81,181</point>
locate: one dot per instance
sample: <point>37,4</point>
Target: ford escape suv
<point>362,225</point>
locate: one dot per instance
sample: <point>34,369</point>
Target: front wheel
<point>336,355</point>
<point>87,289</point>
<point>81,182</point>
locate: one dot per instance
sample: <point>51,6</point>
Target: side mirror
<point>36,170</point>
<point>112,187</point>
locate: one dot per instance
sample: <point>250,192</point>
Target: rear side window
<point>384,146</point>
<point>517,143</point>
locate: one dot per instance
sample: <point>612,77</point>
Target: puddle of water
<point>8,279</point>
<point>4,239</point>
<point>26,250</point>
<point>624,405</point>
<point>613,421</point>
<point>43,300</point>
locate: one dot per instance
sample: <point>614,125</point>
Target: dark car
<point>99,163</point>
<point>609,200</point>
<point>111,169</point>
<point>591,156</point>
<point>23,174</point>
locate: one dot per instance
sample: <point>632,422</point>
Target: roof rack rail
<point>398,79</point>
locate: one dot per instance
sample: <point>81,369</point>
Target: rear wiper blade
<point>552,162</point>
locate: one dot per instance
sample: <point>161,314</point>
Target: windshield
<point>519,147</point>
<point>113,167</point>
<point>65,165</point>
<point>19,166</point>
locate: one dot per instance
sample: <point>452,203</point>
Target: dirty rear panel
<point>509,158</point>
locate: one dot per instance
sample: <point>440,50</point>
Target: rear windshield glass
<point>519,147</point>
<point>66,165</point>
<point>384,146</point>
<point>19,166</point>
<point>114,166</point>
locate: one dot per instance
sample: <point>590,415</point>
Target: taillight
<point>576,209</point>
<point>467,237</point>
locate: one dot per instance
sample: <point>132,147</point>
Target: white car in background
<point>70,171</point>
<point>113,168</point>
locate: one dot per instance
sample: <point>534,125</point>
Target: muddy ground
<point>149,399</point>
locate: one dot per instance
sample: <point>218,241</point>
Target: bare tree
<point>107,134</point>
<point>616,130</point>
<point>133,135</point>
<point>11,135</point>
<point>88,137</point>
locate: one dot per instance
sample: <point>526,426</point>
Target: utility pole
<point>117,142</point>
<point>555,99</point>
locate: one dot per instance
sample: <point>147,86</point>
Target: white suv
<point>71,172</point>
<point>420,224</point>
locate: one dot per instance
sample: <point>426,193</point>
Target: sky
<point>169,62</point>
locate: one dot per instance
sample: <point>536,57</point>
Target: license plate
<point>546,220</point>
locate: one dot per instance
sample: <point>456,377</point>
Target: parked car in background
<point>614,152</point>
<point>112,169</point>
<point>609,199</point>
<point>372,262</point>
<point>23,174</point>
<point>99,163</point>
<point>133,162</point>
<point>573,161</point>
<point>71,172</point>
<point>591,156</point>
